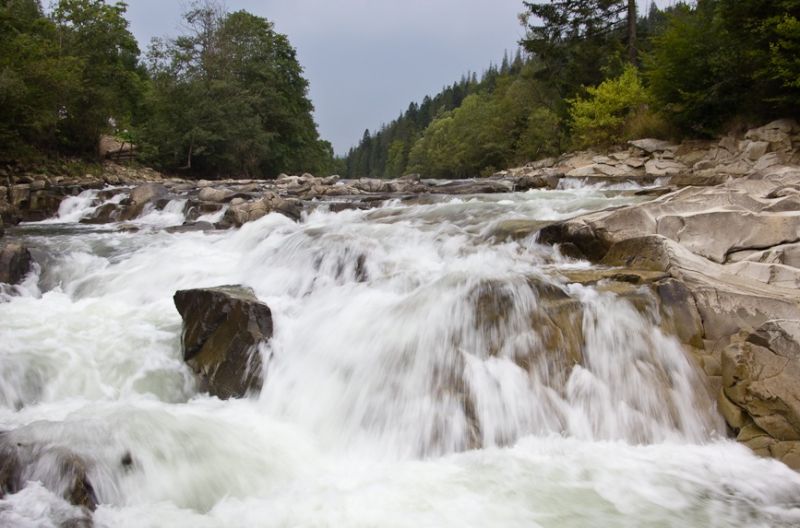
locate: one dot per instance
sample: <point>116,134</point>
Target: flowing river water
<point>422,374</point>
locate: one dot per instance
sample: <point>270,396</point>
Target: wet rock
<point>239,213</point>
<point>680,316</point>
<point>139,197</point>
<point>104,214</point>
<point>515,229</point>
<point>58,469</point>
<point>191,227</point>
<point>222,328</point>
<point>476,187</point>
<point>15,262</point>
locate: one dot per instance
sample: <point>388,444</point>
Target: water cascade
<point>423,372</point>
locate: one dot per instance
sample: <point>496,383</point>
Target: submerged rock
<point>15,262</point>
<point>222,328</point>
<point>58,469</point>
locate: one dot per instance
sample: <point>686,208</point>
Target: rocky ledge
<point>728,234</point>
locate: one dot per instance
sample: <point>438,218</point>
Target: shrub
<point>604,117</point>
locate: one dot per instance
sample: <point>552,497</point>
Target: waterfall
<point>421,373</point>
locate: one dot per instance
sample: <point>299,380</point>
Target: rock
<point>605,171</point>
<point>222,328</point>
<point>777,134</point>
<point>653,145</point>
<point>704,179</point>
<point>769,160</point>
<point>656,168</point>
<point>513,229</point>
<point>761,375</point>
<point>714,234</point>
<point>15,262</point>
<point>476,187</point>
<point>754,150</point>
<point>58,469</point>
<point>141,196</point>
<point>147,193</point>
<point>210,194</point>
<point>104,214</point>
<point>414,177</point>
<point>191,227</point>
<point>241,212</point>
<point>680,316</point>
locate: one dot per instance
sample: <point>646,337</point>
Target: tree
<point>95,36</point>
<point>576,41</point>
<point>229,98</point>
<point>600,118</point>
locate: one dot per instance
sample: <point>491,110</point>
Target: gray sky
<point>366,60</point>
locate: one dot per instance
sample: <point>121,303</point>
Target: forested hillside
<point>227,98</point>
<point>595,73</point>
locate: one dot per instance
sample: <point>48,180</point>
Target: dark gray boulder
<point>15,262</point>
<point>222,328</point>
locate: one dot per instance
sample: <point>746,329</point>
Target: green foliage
<point>229,98</point>
<point>722,59</point>
<point>785,52</point>
<point>471,128</point>
<point>96,35</point>
<point>575,42</point>
<point>601,118</point>
<point>62,77</point>
<point>490,130</point>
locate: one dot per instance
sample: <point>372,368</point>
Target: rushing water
<point>422,373</point>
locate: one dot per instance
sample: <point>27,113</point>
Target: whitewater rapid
<point>412,379</point>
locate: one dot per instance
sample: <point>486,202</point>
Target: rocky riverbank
<point>727,232</point>
<point>716,239</point>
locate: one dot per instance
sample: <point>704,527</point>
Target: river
<point>419,376</point>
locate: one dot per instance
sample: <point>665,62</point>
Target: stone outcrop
<point>15,262</point>
<point>729,252</point>
<point>760,396</point>
<point>222,328</point>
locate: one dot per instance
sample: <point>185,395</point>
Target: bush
<point>605,117</point>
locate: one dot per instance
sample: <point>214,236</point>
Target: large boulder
<point>241,212</point>
<point>761,389</point>
<point>222,328</point>
<point>15,262</point>
<point>141,196</point>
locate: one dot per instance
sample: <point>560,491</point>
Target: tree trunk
<point>632,55</point>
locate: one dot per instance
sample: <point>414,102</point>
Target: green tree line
<point>596,73</point>
<point>227,98</point>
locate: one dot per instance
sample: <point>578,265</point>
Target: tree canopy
<point>229,97</point>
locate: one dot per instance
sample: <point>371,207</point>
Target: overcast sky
<point>366,60</point>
